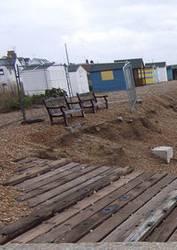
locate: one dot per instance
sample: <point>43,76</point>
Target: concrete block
<point>120,119</point>
<point>164,152</point>
<point>94,246</point>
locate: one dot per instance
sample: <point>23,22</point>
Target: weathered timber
<point>163,232</point>
<point>110,224</point>
<point>144,229</point>
<point>32,173</point>
<point>67,186</point>
<point>58,180</point>
<point>84,215</point>
<point>34,183</point>
<point>22,167</point>
<point>96,219</point>
<point>37,216</point>
<point>83,204</point>
<point>159,192</point>
<point>173,236</point>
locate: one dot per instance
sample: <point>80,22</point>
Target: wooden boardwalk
<point>75,202</point>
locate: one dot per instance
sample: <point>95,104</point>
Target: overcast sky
<point>99,30</point>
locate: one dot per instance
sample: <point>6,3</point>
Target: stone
<point>75,128</point>
<point>164,152</point>
<point>97,129</point>
<point>130,121</point>
<point>120,118</point>
<point>139,100</point>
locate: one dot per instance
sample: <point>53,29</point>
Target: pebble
<point>120,118</point>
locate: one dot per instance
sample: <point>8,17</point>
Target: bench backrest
<point>72,102</point>
<point>53,102</point>
<point>86,96</point>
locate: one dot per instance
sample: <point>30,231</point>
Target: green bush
<point>37,99</point>
<point>9,101</point>
<point>55,92</point>
<point>9,104</point>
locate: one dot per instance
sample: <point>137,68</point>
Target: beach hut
<point>105,77</point>
<point>160,70</point>
<point>138,70</point>
<point>150,75</point>
<point>169,73</point>
<point>78,78</point>
<point>39,78</point>
<point>172,72</point>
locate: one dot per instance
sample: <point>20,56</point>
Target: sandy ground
<point>100,138</point>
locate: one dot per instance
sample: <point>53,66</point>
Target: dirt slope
<point>98,139</point>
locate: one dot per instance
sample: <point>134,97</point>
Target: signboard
<point>130,85</point>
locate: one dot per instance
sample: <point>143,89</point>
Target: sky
<point>98,30</point>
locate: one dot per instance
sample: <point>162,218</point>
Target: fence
<point>130,84</point>
<point>33,81</point>
<point>32,84</point>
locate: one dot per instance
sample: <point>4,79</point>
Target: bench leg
<point>94,109</point>
<point>51,120</point>
<point>65,120</point>
<point>82,113</point>
<point>106,104</point>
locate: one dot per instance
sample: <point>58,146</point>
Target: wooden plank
<point>163,232</point>
<point>67,186</point>
<point>26,159</point>
<point>84,215</point>
<point>144,229</point>
<point>33,172</point>
<point>96,219</point>
<point>37,162</point>
<point>159,192</point>
<point>117,171</point>
<point>31,184</point>
<point>58,181</point>
<point>38,215</point>
<point>54,175</point>
<point>83,204</point>
<point>110,224</point>
<point>173,237</point>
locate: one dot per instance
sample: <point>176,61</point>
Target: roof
<point>156,64</point>
<point>39,61</point>
<point>87,66</point>
<point>36,63</point>
<point>73,67</point>
<point>106,66</point>
<point>23,61</point>
<point>136,62</point>
<point>102,66</point>
<point>172,66</point>
<point>32,67</point>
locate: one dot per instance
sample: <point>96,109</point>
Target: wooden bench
<point>92,101</point>
<point>61,107</point>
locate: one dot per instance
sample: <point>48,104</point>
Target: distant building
<point>138,70</point>
<point>160,70</point>
<point>41,74</point>
<point>172,72</point>
<point>150,75</point>
<point>7,74</point>
<point>106,77</point>
<point>39,78</point>
<point>78,78</point>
